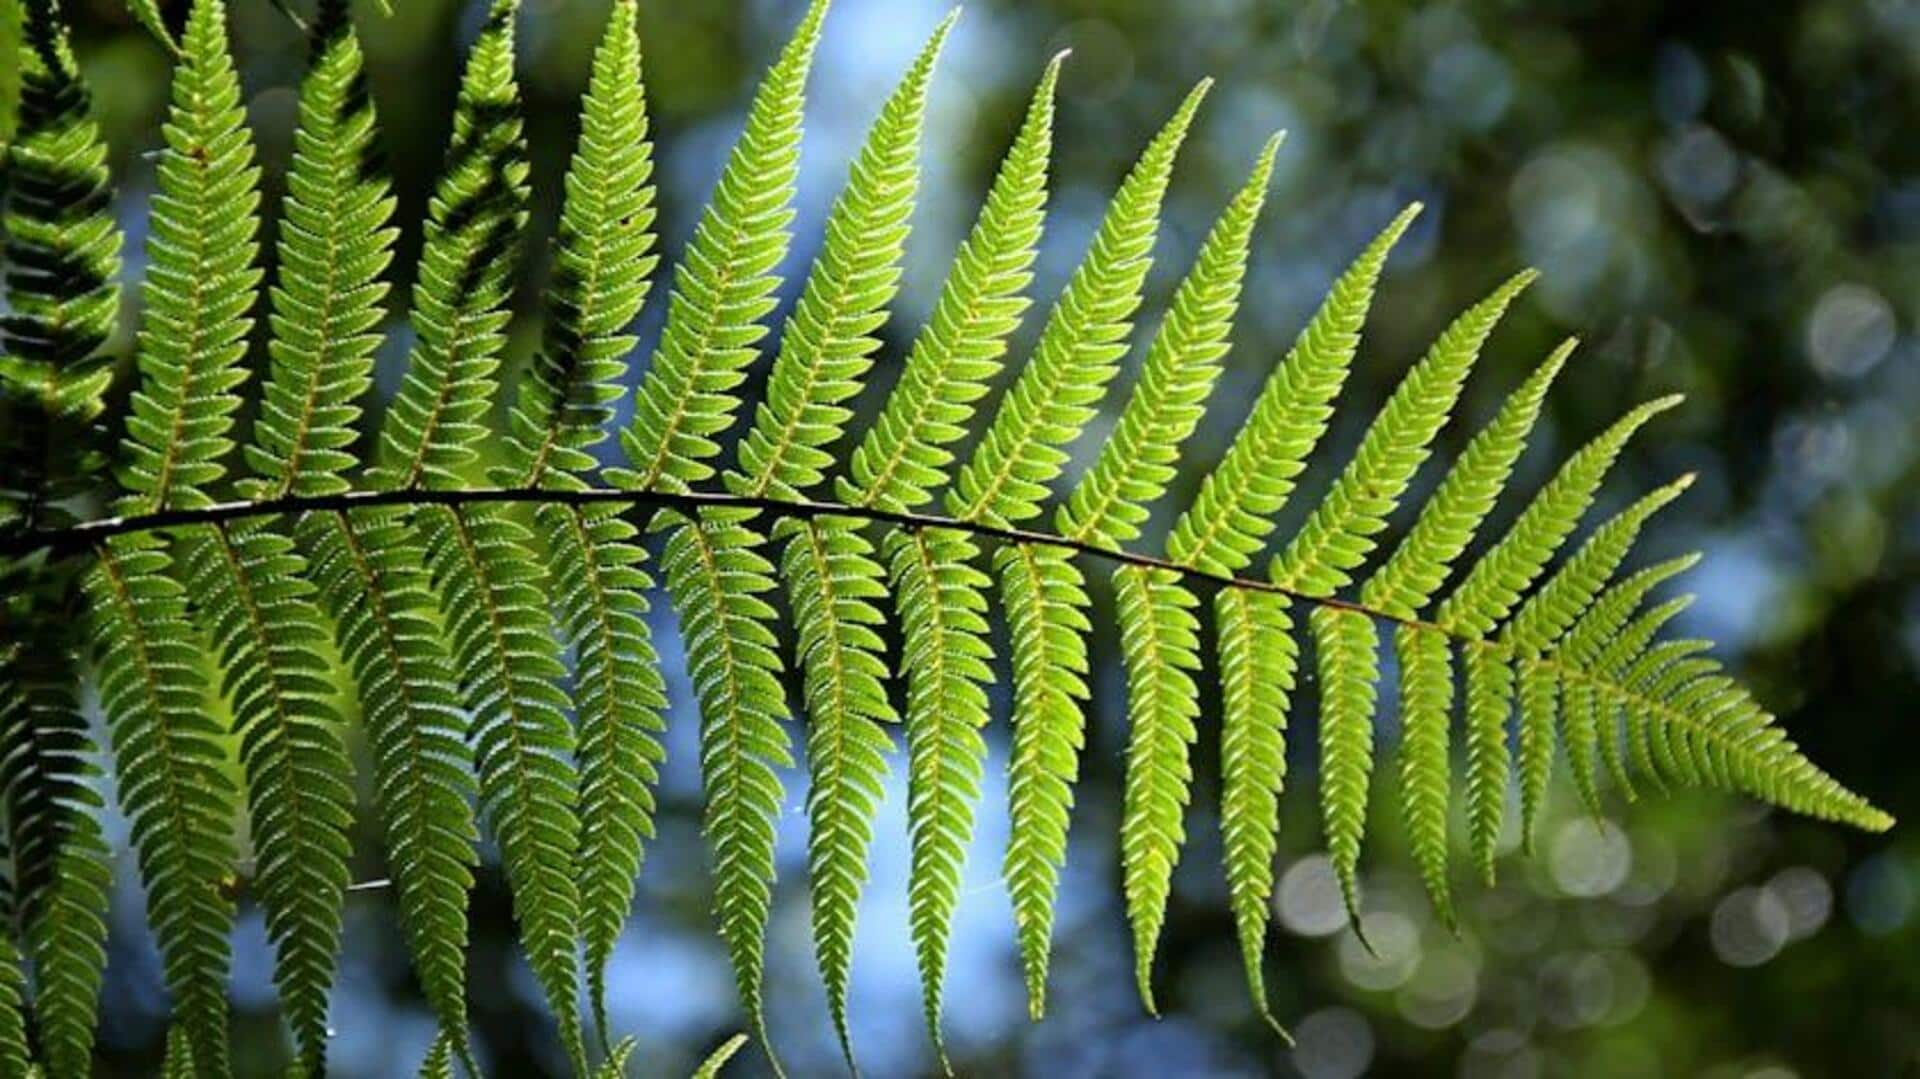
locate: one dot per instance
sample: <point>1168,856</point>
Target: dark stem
<point>91,533</point>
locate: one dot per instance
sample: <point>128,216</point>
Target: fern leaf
<point>1346,652</point>
<point>829,340</point>
<point>202,230</point>
<point>1539,700</point>
<point>724,285</point>
<point>59,858</point>
<point>710,1068</point>
<point>717,577</point>
<point>250,592</point>
<point>1109,505</point>
<point>941,608</point>
<point>1080,349</point>
<point>1339,534</point>
<point>1489,700</point>
<point>493,595</point>
<point>327,303</point>
<point>374,587</point>
<point>1451,517</point>
<point>15,1057</point>
<point>599,589</point>
<point>1494,584</point>
<point>1580,729</point>
<point>1549,612</point>
<point>1426,717</point>
<point>1045,599</point>
<point>172,780</point>
<point>833,583</point>
<point>1160,644</point>
<point>62,254</point>
<point>903,458</point>
<point>1258,660</point>
<point>1231,517</point>
<point>434,425</point>
<point>604,259</point>
<point>615,1066</point>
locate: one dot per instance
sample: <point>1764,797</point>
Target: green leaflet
<point>1494,584</point>
<point>1426,718</point>
<point>1346,654</point>
<point>716,1060</point>
<point>1230,518</point>
<point>171,778</point>
<point>1109,505</point>
<point>374,586</point>
<point>1080,349</point>
<point>59,860</point>
<point>14,1055</point>
<point>62,255</point>
<point>1539,700</point>
<point>941,607</point>
<point>604,270</point>
<point>1160,642</point>
<point>724,285</point>
<point>833,583</point>
<point>828,344</point>
<point>1339,534</point>
<point>1455,511</point>
<point>717,577</point>
<point>1489,678</point>
<point>1045,599</point>
<point>252,598</point>
<point>903,458</point>
<point>1258,660</point>
<point>327,302</point>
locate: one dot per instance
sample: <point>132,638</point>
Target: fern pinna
<point>214,607</point>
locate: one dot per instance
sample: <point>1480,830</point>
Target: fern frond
<point>1110,503</point>
<point>717,578</point>
<point>1080,349</point>
<point>434,425</point>
<point>1548,613</point>
<point>58,855</point>
<point>1045,599</point>
<point>1494,584</point>
<point>833,583</point>
<point>903,458</point>
<point>327,302</point>
<point>1339,534</point>
<point>62,254</point>
<point>1258,659</point>
<point>716,1060</point>
<point>15,1056</point>
<point>1231,517</point>
<point>171,776</point>
<point>1489,678</point>
<point>1160,644</point>
<point>942,611</point>
<point>599,591</point>
<point>1346,653</point>
<point>374,587</point>
<point>202,233</point>
<point>1539,700</point>
<point>1426,718</point>
<point>250,592</point>
<point>493,596</point>
<point>1453,514</point>
<point>724,285</point>
<point>604,258</point>
<point>829,341</point>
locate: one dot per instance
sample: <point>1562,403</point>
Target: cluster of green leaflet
<point>449,622</point>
